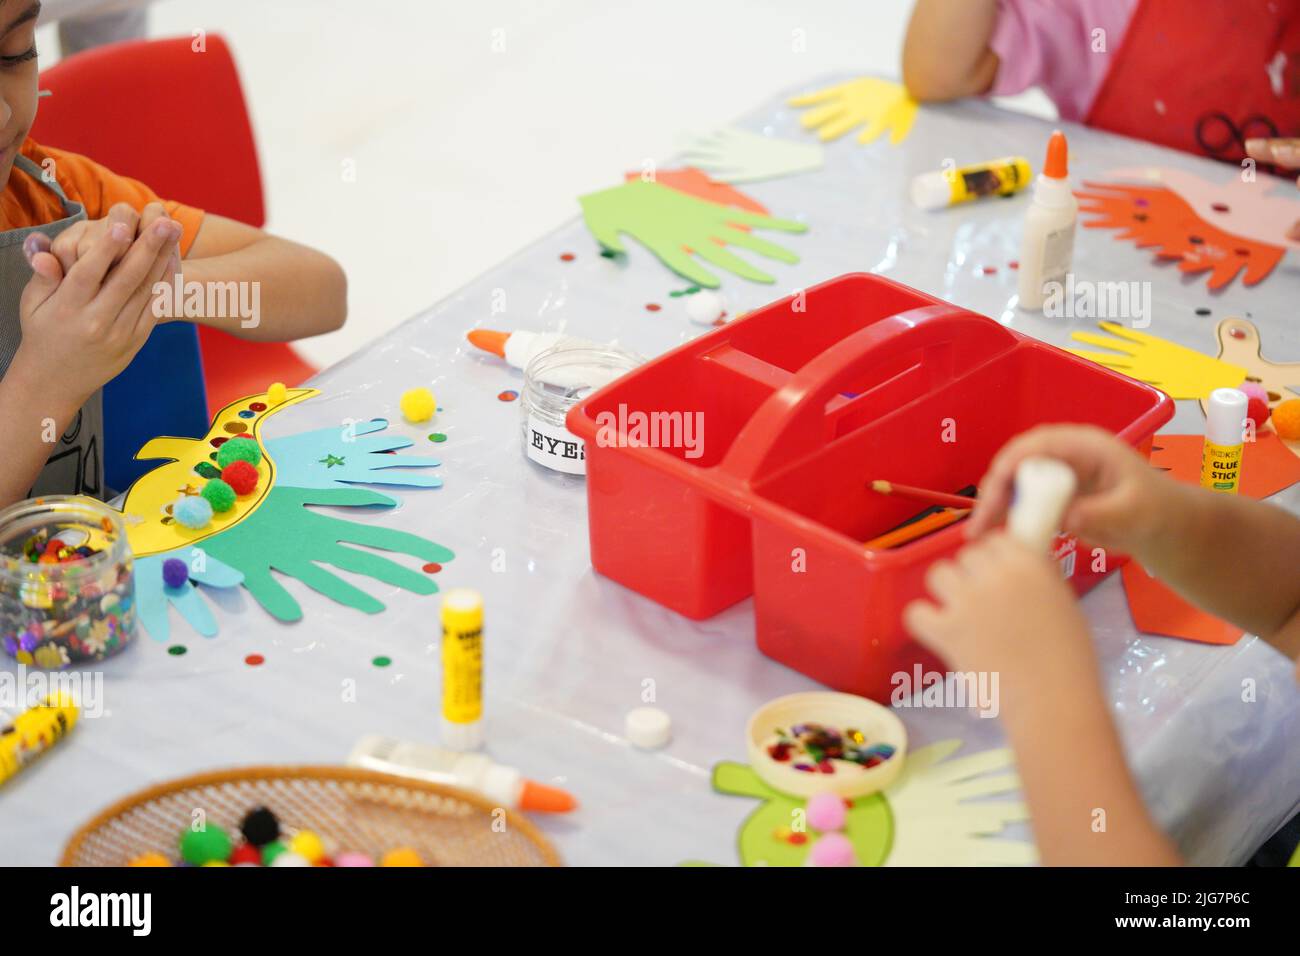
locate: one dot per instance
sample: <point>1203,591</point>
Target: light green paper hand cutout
<point>876,105</point>
<point>284,535</point>
<point>738,156</point>
<point>1177,371</point>
<point>665,220</point>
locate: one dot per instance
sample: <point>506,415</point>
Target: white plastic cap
<point>501,785</point>
<point>932,190</point>
<point>461,737</point>
<point>1044,487</point>
<point>648,728</point>
<point>1225,416</point>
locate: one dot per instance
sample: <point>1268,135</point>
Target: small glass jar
<point>555,381</point>
<point>67,588</point>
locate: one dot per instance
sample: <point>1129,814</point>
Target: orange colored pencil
<point>917,529</point>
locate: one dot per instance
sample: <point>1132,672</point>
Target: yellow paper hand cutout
<point>1177,371</point>
<point>877,104</point>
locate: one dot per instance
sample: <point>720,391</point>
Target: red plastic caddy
<point>795,408</point>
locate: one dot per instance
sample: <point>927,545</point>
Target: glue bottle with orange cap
<point>1048,246</point>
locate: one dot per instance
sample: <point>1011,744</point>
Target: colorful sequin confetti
<point>178,650</point>
<point>509,395</point>
<point>433,567</point>
<point>254,660</point>
<point>437,437</point>
<point>814,748</point>
<point>381,661</point>
<point>567,257</point>
<point>652,306</point>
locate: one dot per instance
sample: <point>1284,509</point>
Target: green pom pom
<point>239,449</point>
<point>219,494</point>
<point>202,846</point>
<point>271,850</point>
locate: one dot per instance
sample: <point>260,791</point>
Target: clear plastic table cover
<point>568,653</point>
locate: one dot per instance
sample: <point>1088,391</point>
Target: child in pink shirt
<point>1202,77</point>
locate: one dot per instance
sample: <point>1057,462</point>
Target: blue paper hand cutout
<point>152,596</point>
<point>338,456</point>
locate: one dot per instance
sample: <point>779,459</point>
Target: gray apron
<point>76,463</point>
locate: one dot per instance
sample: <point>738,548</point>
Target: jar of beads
<point>67,592</point>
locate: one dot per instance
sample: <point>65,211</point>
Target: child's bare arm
<point>301,292</point>
<point>1002,609</point>
<point>946,54</point>
<point>1221,552</point>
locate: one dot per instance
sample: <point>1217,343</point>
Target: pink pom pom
<point>1254,390</point>
<point>826,812</point>
<point>834,849</point>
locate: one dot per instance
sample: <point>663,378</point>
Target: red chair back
<point>161,112</point>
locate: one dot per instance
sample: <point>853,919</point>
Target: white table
<point>568,653</point>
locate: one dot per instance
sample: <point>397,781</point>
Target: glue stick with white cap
<point>1044,487</point>
<point>1225,421</point>
<point>462,669</point>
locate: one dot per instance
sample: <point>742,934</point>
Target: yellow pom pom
<point>418,405</point>
<point>1286,419</point>
<point>216,863</point>
<point>308,846</point>
<point>277,393</point>
<point>402,856</point>
<point>150,859</point>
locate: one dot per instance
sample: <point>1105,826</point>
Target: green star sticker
<point>329,461</point>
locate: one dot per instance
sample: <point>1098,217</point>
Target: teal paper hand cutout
<point>153,597</point>
<point>672,224</point>
<point>334,457</point>
<point>283,535</point>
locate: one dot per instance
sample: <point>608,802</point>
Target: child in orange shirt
<point>80,254</point>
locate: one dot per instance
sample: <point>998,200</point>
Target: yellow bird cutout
<point>150,528</point>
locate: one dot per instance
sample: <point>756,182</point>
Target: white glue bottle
<point>1048,246</point>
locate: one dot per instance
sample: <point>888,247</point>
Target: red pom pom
<point>245,853</point>
<point>241,476</point>
<point>1257,411</point>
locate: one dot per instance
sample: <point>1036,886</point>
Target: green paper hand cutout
<point>665,220</point>
<point>284,535</point>
<point>733,155</point>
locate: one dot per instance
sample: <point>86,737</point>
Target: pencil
<point>917,529</point>
<point>922,494</point>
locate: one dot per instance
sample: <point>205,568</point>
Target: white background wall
<point>473,126</point>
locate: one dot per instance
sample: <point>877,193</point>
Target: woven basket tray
<point>360,810</point>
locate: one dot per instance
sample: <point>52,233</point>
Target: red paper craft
<point>1267,467</point>
<point>1156,216</point>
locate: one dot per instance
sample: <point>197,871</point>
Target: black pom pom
<point>260,827</point>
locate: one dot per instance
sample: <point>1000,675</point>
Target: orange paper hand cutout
<point>691,181</point>
<point>1153,216</point>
